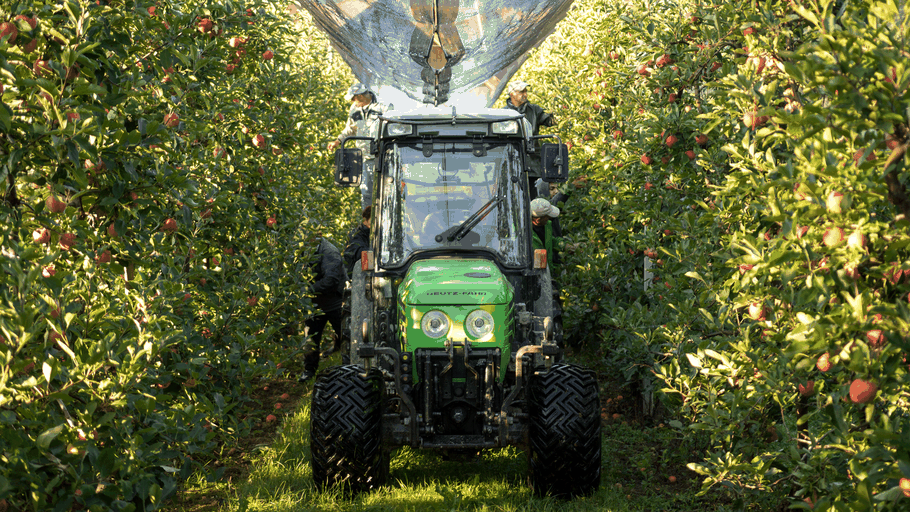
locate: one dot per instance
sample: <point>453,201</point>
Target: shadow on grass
<point>281,481</point>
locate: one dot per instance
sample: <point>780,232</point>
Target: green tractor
<point>455,333</point>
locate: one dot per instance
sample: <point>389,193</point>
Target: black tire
<point>564,432</point>
<point>345,430</point>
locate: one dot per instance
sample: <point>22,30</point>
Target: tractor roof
<point>431,114</point>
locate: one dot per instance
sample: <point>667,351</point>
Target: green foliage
<point>780,240</point>
<point>154,258</point>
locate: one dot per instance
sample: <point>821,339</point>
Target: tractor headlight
<point>505,127</point>
<point>479,323</point>
<point>396,129</point>
<point>435,324</point>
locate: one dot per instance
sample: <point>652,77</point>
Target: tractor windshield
<point>430,190</point>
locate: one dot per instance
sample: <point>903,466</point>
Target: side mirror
<point>348,166</point>
<point>554,163</point>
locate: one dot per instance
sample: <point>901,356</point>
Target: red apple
<point>32,22</point>
<point>29,47</point>
<point>41,68</point>
<point>647,160</point>
<point>218,152</point>
<point>103,257</point>
<point>749,31</point>
<point>690,154</point>
<point>834,202</point>
<point>833,236</point>
<point>169,226</point>
<point>852,272</point>
<point>171,120</point>
<point>758,312</point>
<point>67,241</point>
<point>259,141</point>
<point>267,55</point>
<point>856,240</point>
<point>824,362</point>
<point>905,486</point>
<point>151,10</point>
<point>229,68</point>
<point>807,388</point>
<point>753,120</point>
<point>664,60</point>
<point>92,166</point>
<point>9,30</point>
<point>643,70</point>
<point>55,205</point>
<point>859,156</point>
<point>270,418</point>
<point>701,139</point>
<point>875,337</point>
<point>271,221</point>
<point>862,391</point>
<point>204,26</point>
<point>41,236</point>
<point>671,98</point>
<point>617,134</point>
<point>48,271</point>
<point>671,140</point>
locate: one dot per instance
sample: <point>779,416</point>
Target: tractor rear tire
<point>346,430</point>
<point>564,444</point>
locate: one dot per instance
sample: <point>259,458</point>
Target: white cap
<point>517,85</point>
<point>355,89</point>
<point>540,207</point>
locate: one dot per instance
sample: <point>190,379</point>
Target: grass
<point>270,472</point>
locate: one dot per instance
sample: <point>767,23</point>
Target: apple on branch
<point>833,236</point>
<point>835,202</point>
<point>862,391</point>
<point>9,32</point>
<point>41,236</point>
<point>55,205</point>
<point>205,26</point>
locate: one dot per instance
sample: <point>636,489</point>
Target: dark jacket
<point>534,114</point>
<point>359,242</point>
<point>537,118</point>
<point>329,277</point>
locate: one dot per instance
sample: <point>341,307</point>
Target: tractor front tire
<point>564,442</point>
<point>345,430</point>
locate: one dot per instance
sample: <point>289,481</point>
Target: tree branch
<point>897,192</point>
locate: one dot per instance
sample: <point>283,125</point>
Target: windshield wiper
<point>473,220</point>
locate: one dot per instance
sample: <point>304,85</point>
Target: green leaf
<point>46,437</point>
<point>6,117</point>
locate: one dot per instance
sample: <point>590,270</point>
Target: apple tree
<point>160,161</point>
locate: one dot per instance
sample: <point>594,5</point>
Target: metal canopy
<point>435,51</point>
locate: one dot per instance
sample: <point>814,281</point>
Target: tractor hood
<point>444,281</point>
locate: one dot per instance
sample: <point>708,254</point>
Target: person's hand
<point>334,144</point>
